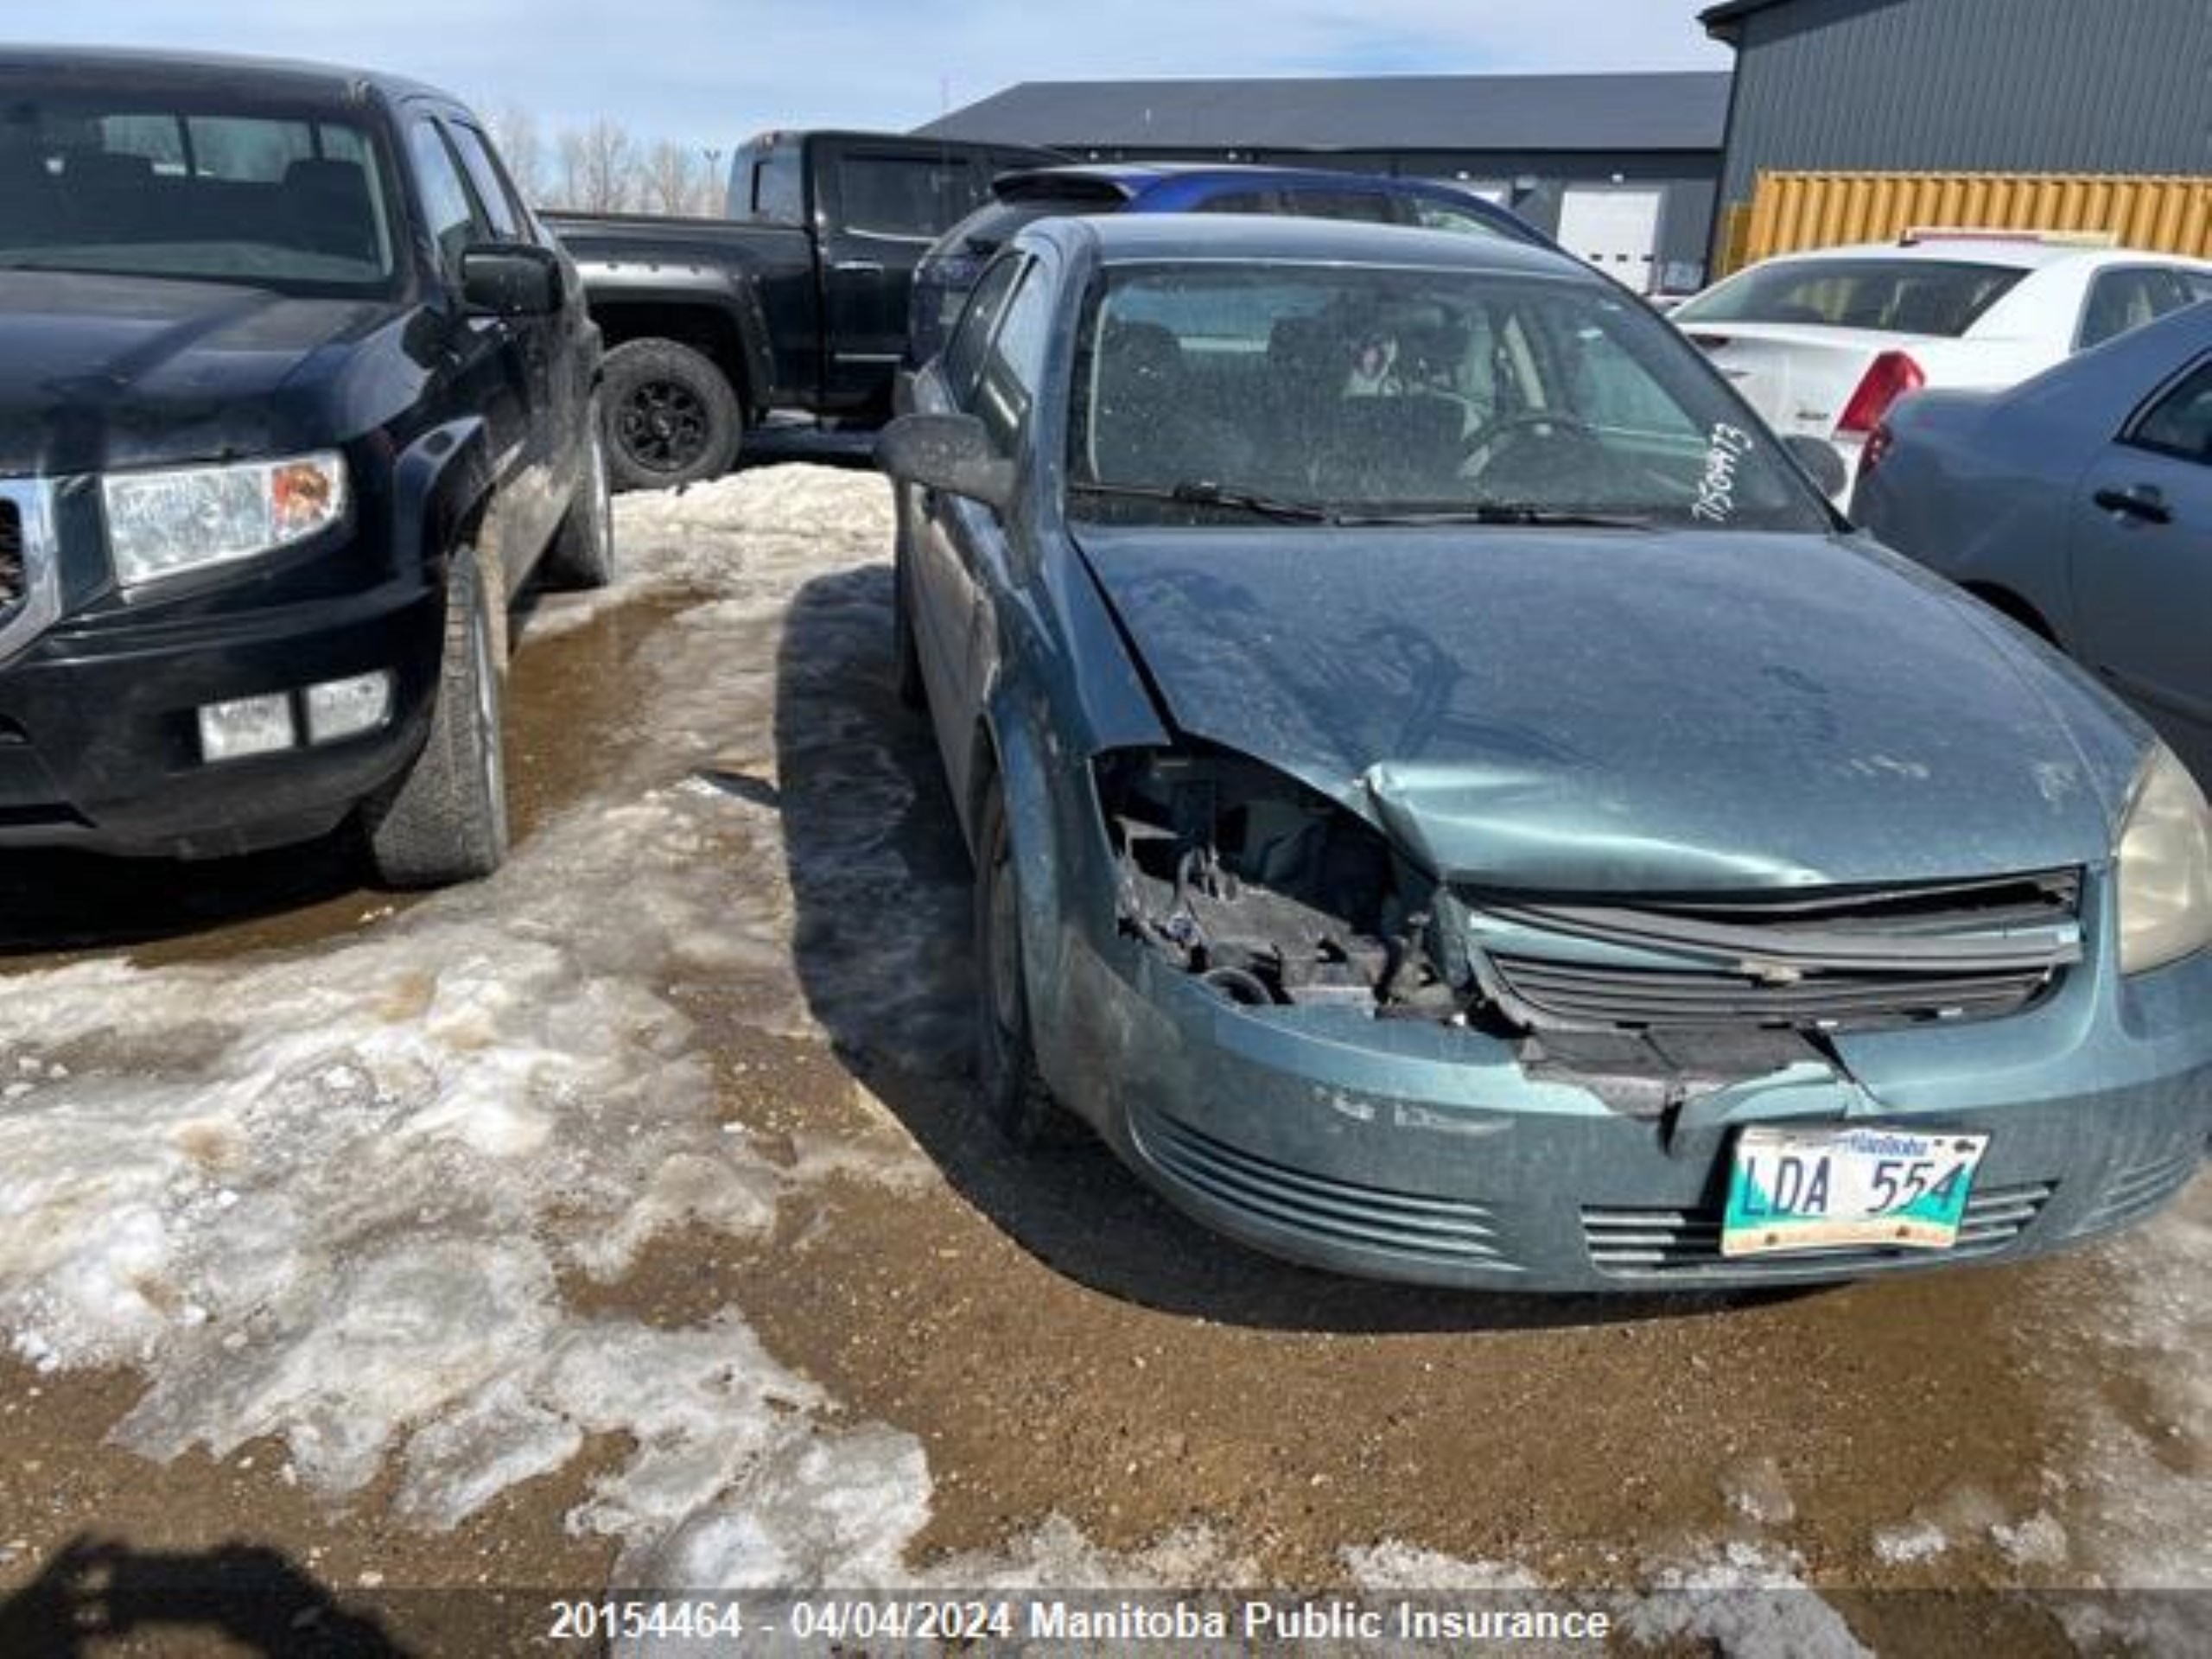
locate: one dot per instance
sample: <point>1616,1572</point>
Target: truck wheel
<point>671,415</point>
<point>582,553</point>
<point>1014,1094</point>
<point>446,819</point>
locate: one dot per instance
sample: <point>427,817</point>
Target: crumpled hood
<point>1629,711</point>
<point>100,372</point>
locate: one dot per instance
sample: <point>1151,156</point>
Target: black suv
<point>295,394</point>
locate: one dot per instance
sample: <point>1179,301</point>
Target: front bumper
<point>1418,1152</point>
<point>99,740</point>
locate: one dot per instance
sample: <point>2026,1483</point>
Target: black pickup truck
<point>796,301</point>
<point>295,394</point>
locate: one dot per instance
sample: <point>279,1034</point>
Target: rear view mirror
<point>1822,460</point>
<point>511,279</point>
<point>952,453</point>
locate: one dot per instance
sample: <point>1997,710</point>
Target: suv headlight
<point>2166,868</point>
<point>167,523</point>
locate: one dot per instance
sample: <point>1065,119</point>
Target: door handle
<point>859,267</point>
<point>2144,501</point>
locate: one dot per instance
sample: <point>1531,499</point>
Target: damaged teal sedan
<point>1451,803</point>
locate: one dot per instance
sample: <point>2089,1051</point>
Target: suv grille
<point>1824,961</point>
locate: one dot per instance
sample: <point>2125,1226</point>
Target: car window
<point>1903,296</point>
<point>910,196</point>
<point>2180,423</point>
<point>1366,207</point>
<point>1433,214</point>
<point>1243,202</point>
<point>495,195</point>
<point>2128,296</point>
<point>1361,390</point>
<point>1015,361</point>
<point>963,353</point>
<point>778,187</point>
<point>291,202</point>
<point>445,207</point>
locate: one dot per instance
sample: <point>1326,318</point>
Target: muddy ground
<point>625,1220</point>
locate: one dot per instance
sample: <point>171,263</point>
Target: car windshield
<point>292,202</point>
<point>1208,392</point>
<point>1898,296</point>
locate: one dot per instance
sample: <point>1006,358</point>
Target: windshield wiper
<point>1523,513</point>
<point>1204,492</point>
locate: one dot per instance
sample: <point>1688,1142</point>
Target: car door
<point>969,554</point>
<point>492,373</point>
<point>2142,562</point>
<point>882,208</point>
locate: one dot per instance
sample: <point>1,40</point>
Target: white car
<point>1822,344</point>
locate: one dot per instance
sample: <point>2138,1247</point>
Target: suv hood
<point>1629,711</point>
<point>100,372</point>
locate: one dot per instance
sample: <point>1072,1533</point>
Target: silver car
<point>2079,503</point>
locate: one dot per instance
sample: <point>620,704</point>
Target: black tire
<point>445,820</point>
<point>582,553</point>
<point>906,648</point>
<point>1013,1095</point>
<point>672,417</point>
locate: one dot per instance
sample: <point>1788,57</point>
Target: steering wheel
<point>1524,420</point>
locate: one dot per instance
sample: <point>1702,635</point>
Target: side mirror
<point>511,279</point>
<point>1822,460</point>
<point>952,453</point>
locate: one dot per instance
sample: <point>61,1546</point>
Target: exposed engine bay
<point>1272,894</point>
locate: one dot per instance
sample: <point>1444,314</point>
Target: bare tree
<point>674,179</point>
<point>599,168</point>
<point>514,131</point>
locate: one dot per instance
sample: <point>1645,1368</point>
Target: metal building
<point>1622,168</point>
<point>2113,87</point>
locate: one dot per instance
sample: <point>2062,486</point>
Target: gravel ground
<point>623,1220</point>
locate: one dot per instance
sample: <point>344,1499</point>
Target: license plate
<point>1836,1189</point>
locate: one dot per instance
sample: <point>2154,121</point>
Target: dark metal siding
<point>1962,85</point>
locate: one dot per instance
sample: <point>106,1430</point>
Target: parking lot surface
<point>623,1219</point>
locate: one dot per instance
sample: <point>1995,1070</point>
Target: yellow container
<point>1795,211</point>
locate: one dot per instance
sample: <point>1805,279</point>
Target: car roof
<point>2019,252</point>
<point>1134,176</point>
<point>80,69</point>
<point>1125,238</point>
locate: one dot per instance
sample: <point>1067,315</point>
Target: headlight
<point>166,523</point>
<point>2166,868</point>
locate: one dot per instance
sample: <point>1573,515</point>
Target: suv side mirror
<point>952,453</point>
<point>511,279</point>
<point>1821,459</point>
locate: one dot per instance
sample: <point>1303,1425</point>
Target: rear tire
<point>672,417</point>
<point>582,553</point>
<point>445,820</point>
<point>1014,1097</point>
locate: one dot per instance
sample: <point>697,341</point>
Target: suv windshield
<point>294,203</point>
<point>1207,393</point>
<point>1899,296</point>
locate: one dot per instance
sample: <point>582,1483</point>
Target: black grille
<point>1587,994</point>
<point>1448,1230</point>
<point>1685,1245</point>
<point>11,556</point>
<point>1834,961</point>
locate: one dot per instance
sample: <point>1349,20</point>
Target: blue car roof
<point>1128,238</point>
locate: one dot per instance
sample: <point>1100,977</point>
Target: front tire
<point>905,649</point>
<point>445,820</point>
<point>1014,1097</point>
<point>582,553</point>
<point>671,415</point>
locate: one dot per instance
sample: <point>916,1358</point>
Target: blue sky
<point>709,72</point>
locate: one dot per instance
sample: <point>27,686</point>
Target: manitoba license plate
<point>1833,1189</point>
